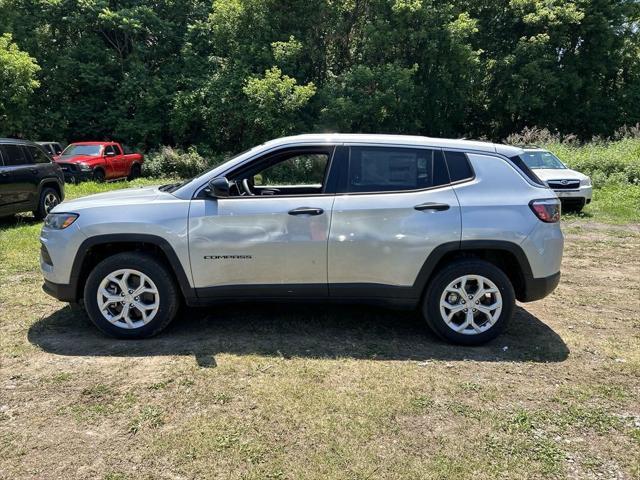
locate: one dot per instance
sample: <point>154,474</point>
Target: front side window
<point>303,169</point>
<point>288,173</point>
<point>38,155</point>
<point>537,160</point>
<point>385,169</point>
<point>14,155</point>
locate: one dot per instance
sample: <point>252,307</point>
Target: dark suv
<point>29,180</point>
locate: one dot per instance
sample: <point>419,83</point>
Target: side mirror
<point>219,188</point>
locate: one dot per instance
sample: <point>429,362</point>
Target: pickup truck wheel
<point>98,175</point>
<point>49,198</point>
<point>131,295</point>
<point>135,171</point>
<point>469,302</point>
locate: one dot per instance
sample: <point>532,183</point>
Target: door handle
<point>306,211</point>
<point>33,170</point>
<point>438,207</point>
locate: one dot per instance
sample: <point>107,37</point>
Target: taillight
<point>547,210</point>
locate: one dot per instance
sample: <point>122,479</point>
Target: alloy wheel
<point>50,201</point>
<point>471,304</point>
<point>128,298</point>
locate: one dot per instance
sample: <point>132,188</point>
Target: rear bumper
<point>537,288</point>
<point>63,292</point>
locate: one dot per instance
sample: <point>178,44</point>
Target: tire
<point>158,279</point>
<point>488,319</point>
<point>135,172</point>
<point>98,175</point>
<point>49,198</point>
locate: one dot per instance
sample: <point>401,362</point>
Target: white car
<point>572,187</point>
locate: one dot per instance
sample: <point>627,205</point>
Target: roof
<point>470,145</point>
<point>94,143</point>
<point>16,140</point>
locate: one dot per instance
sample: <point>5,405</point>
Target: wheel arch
<point>50,183</point>
<point>95,249</point>
<point>507,256</point>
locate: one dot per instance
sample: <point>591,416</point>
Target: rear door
<point>397,207</point>
<point>269,238</point>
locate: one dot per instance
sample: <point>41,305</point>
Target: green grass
<point>613,203</point>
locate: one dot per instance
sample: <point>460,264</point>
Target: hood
<point>546,174</point>
<point>75,158</point>
<point>114,199</point>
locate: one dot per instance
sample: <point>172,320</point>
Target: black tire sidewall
<point>136,171</point>
<point>158,273</point>
<point>99,175</point>
<point>40,213</point>
<point>431,302</point>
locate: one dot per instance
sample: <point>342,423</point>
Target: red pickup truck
<point>98,161</point>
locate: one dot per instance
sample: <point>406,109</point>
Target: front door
<point>269,237</point>
<point>397,207</point>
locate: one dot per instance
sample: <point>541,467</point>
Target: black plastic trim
<point>188,291</point>
<point>63,292</point>
<point>262,291</point>
<point>537,288</point>
<point>534,288</point>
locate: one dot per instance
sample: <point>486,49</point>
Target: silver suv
<point>457,228</point>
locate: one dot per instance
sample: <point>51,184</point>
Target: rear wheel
<point>135,172</point>
<point>49,198</point>
<point>469,302</point>
<point>131,295</point>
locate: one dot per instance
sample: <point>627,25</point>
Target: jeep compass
<point>458,229</point>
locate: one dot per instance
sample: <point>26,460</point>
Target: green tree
<point>17,82</point>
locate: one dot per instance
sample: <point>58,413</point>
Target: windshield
<point>92,150</point>
<point>542,159</point>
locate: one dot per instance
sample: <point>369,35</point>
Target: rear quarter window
<point>459,166</point>
<point>519,163</point>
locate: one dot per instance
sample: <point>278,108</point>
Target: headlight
<point>84,167</point>
<point>60,221</point>
<point>585,182</point>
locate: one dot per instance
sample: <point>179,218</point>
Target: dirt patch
<point>299,391</point>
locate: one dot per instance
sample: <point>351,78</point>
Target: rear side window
<point>38,155</point>
<point>386,169</point>
<point>14,155</point>
<point>518,162</point>
<point>116,149</point>
<point>459,167</point>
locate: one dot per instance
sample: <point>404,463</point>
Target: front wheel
<point>469,302</point>
<point>98,175</point>
<point>131,295</point>
<point>49,198</point>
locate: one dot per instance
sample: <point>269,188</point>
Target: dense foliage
<point>227,74</point>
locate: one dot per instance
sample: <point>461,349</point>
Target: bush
<point>172,162</point>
